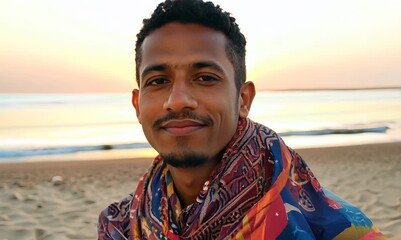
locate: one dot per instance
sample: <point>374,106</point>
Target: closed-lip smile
<point>182,126</point>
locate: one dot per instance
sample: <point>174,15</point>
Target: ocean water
<point>37,127</point>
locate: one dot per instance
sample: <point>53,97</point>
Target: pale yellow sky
<point>88,46</point>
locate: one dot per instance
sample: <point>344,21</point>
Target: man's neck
<point>188,182</point>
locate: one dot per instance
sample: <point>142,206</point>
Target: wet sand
<point>34,207</point>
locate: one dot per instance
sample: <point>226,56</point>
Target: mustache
<point>184,115</point>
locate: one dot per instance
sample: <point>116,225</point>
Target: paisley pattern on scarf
<point>261,189</point>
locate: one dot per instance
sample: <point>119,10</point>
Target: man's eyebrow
<point>208,64</point>
<point>196,65</point>
<point>151,68</point>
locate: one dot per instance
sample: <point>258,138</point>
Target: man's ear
<point>135,97</point>
<point>246,95</point>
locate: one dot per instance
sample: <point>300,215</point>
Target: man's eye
<point>207,78</point>
<point>156,81</point>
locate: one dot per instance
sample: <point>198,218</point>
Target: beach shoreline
<point>34,207</point>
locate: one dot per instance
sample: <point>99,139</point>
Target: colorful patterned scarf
<point>261,189</point>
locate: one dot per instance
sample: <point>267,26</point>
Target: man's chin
<point>185,160</point>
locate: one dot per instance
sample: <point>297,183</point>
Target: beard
<point>185,160</point>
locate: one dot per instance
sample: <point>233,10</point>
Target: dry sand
<point>32,207</point>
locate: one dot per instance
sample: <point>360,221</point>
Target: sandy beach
<point>34,207</point>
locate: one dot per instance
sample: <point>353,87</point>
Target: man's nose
<point>180,98</point>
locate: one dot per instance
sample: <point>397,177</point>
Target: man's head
<point>203,13</point>
<point>189,100</point>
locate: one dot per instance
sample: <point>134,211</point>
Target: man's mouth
<point>182,127</point>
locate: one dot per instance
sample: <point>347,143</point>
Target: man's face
<point>187,102</point>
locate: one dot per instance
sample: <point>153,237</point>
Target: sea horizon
<point>257,90</point>
<point>37,126</point>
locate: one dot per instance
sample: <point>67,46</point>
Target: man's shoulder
<point>121,209</point>
<point>265,129</point>
<point>114,220</point>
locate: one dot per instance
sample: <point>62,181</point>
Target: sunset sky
<point>88,46</point>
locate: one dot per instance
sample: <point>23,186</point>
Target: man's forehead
<point>177,29</point>
<point>178,26</point>
<point>184,45</point>
<point>183,42</point>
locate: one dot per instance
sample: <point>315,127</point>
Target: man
<point>218,174</point>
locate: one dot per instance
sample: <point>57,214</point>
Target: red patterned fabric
<point>237,183</point>
<point>261,189</point>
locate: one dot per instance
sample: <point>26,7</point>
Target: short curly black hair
<point>206,14</point>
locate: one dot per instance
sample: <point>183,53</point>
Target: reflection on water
<point>48,124</point>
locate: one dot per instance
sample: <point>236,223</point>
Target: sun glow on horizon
<point>75,46</point>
